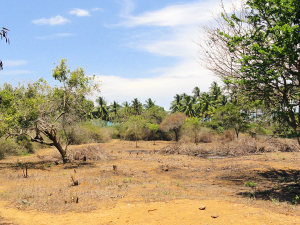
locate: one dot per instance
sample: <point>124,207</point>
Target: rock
<point>214,216</point>
<point>202,207</point>
<point>25,202</point>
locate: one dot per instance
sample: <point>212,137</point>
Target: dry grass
<point>144,175</point>
<point>237,147</point>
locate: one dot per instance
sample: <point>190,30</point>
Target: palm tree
<point>114,108</point>
<point>102,109</point>
<point>137,107</point>
<point>176,104</point>
<point>149,103</point>
<point>196,92</point>
<point>187,105</point>
<point>215,91</point>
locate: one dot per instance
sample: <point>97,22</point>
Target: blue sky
<point>136,48</point>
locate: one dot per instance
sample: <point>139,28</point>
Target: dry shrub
<point>237,147</point>
<point>185,149</point>
<point>89,152</point>
<point>278,145</point>
<point>241,146</point>
<point>206,136</point>
<point>229,135</point>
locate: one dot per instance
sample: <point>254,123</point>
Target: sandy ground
<point>150,188</point>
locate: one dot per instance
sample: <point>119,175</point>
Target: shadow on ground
<point>276,185</point>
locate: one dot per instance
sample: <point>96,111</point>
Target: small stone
<point>203,207</point>
<point>214,216</point>
<point>25,202</point>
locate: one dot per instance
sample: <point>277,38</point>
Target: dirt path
<point>174,212</point>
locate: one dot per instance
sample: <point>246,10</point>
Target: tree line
<point>254,50</point>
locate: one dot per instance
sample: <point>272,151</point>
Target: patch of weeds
<point>48,165</point>
<point>281,179</point>
<point>143,185</point>
<point>274,200</point>
<point>127,180</point>
<point>276,188</point>
<point>251,184</point>
<point>292,190</point>
<point>25,154</point>
<point>166,192</point>
<point>109,182</point>
<point>296,200</point>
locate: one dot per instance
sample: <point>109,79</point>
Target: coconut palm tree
<point>103,112</point>
<point>137,107</point>
<point>176,104</point>
<point>114,109</point>
<point>149,103</point>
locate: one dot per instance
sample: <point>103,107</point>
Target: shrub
<point>8,147</point>
<point>205,137</point>
<point>89,133</point>
<point>229,135</point>
<point>173,122</point>
<point>25,144</point>
<point>134,129</point>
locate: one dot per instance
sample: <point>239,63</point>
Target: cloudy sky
<point>136,48</point>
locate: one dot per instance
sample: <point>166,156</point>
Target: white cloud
<point>128,7</point>
<point>80,12</point>
<point>179,14</point>
<point>162,88</point>
<point>179,27</point>
<point>13,63</point>
<point>54,36</point>
<point>97,9</point>
<point>14,72</point>
<point>56,20</point>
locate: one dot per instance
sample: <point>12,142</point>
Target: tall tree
<point>114,110</point>
<point>47,112</point>
<point>176,104</point>
<point>149,103</point>
<point>103,112</point>
<point>255,48</point>
<point>137,107</point>
<point>270,65</point>
<point>196,92</point>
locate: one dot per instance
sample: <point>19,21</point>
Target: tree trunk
<point>58,146</point>
<point>236,132</point>
<point>176,135</point>
<point>62,152</point>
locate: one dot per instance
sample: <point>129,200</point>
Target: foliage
<point>266,43</point>
<point>134,128</point>
<point>173,123</point>
<point>233,116</point>
<point>153,127</point>
<point>44,111</point>
<point>192,127</point>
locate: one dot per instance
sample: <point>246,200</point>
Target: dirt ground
<point>121,184</point>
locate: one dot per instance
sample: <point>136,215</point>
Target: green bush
<point>89,133</point>
<point>25,144</point>
<point>8,147</point>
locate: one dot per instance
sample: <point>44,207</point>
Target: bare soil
<point>121,184</point>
